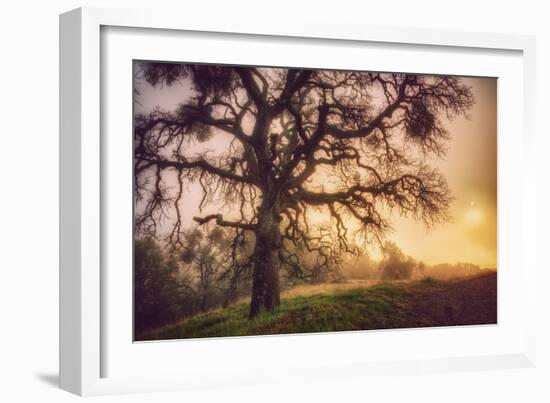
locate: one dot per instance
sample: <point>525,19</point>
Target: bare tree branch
<point>277,143</point>
<point>223,223</point>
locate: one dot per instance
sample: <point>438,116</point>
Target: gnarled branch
<point>224,223</point>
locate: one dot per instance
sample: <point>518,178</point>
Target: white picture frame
<point>85,313</point>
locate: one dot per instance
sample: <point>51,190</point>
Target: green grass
<point>383,306</point>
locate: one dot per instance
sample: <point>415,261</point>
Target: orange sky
<point>470,168</point>
<point>471,171</point>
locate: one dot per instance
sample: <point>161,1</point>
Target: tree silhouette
<point>301,145</point>
<point>213,271</point>
<point>156,287</point>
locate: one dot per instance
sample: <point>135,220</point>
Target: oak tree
<point>300,148</point>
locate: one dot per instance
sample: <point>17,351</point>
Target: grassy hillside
<point>381,306</point>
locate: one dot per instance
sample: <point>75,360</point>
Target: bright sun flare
<point>473,215</point>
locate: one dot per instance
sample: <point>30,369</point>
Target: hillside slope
<point>384,306</point>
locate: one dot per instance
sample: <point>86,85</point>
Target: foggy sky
<point>470,167</point>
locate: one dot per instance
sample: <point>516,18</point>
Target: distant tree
<point>301,144</point>
<point>448,271</point>
<point>157,293</point>
<point>395,265</point>
<point>214,274</point>
<point>362,266</point>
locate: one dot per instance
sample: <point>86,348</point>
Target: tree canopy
<point>304,160</point>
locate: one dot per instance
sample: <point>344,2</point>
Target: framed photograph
<point>246,203</point>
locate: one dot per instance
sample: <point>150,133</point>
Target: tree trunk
<point>265,278</point>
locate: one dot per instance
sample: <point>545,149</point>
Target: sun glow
<point>473,216</point>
